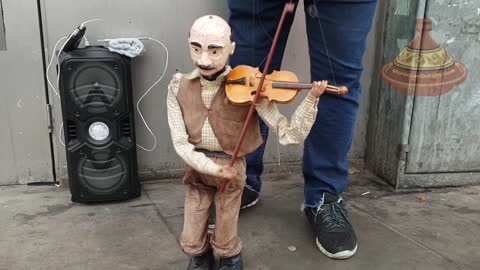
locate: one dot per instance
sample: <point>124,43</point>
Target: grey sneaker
<point>249,197</point>
<point>211,217</point>
<point>335,236</point>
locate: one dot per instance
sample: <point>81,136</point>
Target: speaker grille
<point>71,130</point>
<point>102,171</point>
<point>125,127</point>
<point>95,87</point>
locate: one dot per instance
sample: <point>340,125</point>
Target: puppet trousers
<point>201,191</point>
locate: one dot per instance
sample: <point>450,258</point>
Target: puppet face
<point>210,44</point>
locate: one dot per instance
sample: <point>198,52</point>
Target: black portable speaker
<point>97,110</point>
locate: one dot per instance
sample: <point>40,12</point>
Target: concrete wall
<point>169,22</point>
<point>25,154</point>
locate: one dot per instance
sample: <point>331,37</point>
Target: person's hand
<point>318,88</point>
<point>228,172</point>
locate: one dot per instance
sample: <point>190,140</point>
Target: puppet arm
<point>295,131</point>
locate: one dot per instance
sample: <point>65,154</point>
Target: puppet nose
<point>204,60</point>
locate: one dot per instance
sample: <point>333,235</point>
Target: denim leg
<point>255,162</point>
<point>254,23</point>
<point>345,26</point>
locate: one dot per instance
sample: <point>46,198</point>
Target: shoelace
<point>333,215</point>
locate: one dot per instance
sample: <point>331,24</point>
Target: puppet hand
<point>318,88</point>
<point>228,172</point>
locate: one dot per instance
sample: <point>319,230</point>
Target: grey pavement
<point>40,228</point>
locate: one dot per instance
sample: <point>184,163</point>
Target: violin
<point>279,86</point>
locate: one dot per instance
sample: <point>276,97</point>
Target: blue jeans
<point>344,25</point>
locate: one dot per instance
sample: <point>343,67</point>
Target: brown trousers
<point>201,191</point>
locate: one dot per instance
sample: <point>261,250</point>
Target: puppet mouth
<point>206,68</point>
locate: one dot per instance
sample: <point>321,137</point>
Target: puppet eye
<point>214,52</point>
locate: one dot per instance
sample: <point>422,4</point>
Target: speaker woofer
<point>95,87</point>
<point>102,172</point>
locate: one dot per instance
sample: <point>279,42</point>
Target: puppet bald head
<point>210,44</point>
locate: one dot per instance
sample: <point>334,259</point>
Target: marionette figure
<point>205,128</point>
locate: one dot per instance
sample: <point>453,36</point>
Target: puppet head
<point>211,45</point>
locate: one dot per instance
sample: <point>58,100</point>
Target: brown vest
<point>226,119</point>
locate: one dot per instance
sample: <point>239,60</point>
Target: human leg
<point>337,33</point>
<point>254,24</point>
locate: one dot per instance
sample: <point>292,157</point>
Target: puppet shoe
<point>231,263</point>
<point>205,261</point>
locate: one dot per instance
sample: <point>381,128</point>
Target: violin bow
<point>289,7</point>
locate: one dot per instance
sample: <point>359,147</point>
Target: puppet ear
<point>233,47</point>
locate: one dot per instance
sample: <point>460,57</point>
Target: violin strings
<point>324,42</point>
<point>261,23</point>
<point>253,33</point>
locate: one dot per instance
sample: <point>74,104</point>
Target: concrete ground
<point>40,228</point>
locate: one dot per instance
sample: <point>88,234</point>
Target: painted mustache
<point>203,67</point>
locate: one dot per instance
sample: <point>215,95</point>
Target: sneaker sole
<point>250,204</point>
<point>339,255</point>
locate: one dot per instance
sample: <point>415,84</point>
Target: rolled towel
<point>130,47</point>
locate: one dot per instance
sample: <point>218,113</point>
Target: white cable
<point>50,63</point>
<point>59,69</point>
<point>92,20</point>
<point>148,90</point>
<point>86,41</point>
<point>60,134</point>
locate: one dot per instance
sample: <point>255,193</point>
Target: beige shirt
<point>292,132</point>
